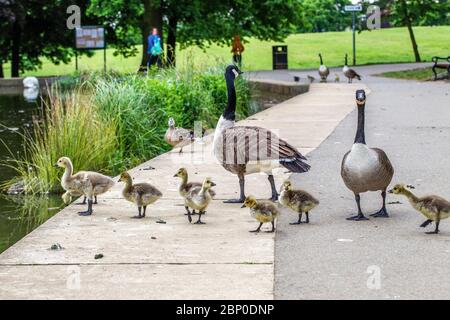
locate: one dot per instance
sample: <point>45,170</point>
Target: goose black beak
<point>243,206</point>
<point>55,165</point>
<point>175,175</point>
<point>213,184</point>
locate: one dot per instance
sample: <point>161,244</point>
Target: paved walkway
<point>144,259</point>
<point>333,258</point>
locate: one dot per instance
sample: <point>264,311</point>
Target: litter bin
<point>279,57</point>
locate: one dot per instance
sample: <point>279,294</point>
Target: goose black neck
<point>321,61</point>
<point>360,136</point>
<point>346,62</point>
<point>230,111</point>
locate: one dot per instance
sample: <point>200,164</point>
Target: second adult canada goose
<point>85,183</point>
<point>350,73</point>
<point>178,137</point>
<point>323,70</point>
<point>434,208</point>
<point>366,169</point>
<point>244,150</point>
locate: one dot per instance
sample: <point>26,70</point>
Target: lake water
<point>19,215</point>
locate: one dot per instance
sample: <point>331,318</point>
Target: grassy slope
<point>379,46</point>
<point>413,74</point>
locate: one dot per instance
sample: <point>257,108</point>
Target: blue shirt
<point>151,42</point>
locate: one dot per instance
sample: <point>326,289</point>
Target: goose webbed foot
<point>257,229</point>
<point>273,228</point>
<point>240,200</point>
<point>358,217</point>
<point>299,220</point>
<point>432,232</point>
<point>88,212</point>
<point>139,216</point>
<point>242,192</point>
<point>380,214</point>
<point>199,218</point>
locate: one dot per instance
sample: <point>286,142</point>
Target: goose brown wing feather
<point>145,188</point>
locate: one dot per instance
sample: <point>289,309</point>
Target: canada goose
<point>365,169</point>
<point>434,208</point>
<point>184,187</point>
<point>350,73</point>
<point>262,211</point>
<point>245,150</point>
<point>85,183</point>
<point>198,198</point>
<point>142,194</point>
<point>178,137</point>
<point>336,78</point>
<point>310,78</point>
<point>298,200</point>
<point>323,70</point>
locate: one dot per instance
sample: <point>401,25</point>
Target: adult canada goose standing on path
<point>350,73</point>
<point>245,150</point>
<point>323,70</point>
<point>365,169</point>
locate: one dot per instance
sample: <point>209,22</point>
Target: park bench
<point>445,64</point>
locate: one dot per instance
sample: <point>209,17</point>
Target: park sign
<point>90,37</point>
<point>353,8</point>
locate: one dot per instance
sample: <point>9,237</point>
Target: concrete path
<point>332,258</point>
<point>144,259</point>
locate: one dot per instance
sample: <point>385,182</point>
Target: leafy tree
<point>324,15</point>
<point>196,21</point>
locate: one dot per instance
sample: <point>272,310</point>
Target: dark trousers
<point>154,60</point>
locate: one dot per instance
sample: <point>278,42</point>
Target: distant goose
<point>365,169</point>
<point>350,73</point>
<point>311,78</point>
<point>178,137</point>
<point>245,150</point>
<point>323,70</point>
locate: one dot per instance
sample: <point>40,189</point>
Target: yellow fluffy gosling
<point>298,200</point>
<point>141,194</point>
<point>87,183</point>
<point>434,208</point>
<point>198,198</point>
<point>262,210</point>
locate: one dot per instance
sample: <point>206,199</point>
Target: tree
<point>196,21</point>
<point>36,29</point>
<point>324,15</point>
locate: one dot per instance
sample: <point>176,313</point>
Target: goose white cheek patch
<point>235,73</point>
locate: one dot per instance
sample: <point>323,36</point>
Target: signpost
<point>353,9</point>
<point>90,38</point>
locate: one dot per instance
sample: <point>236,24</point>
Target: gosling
<point>87,183</point>
<point>184,187</point>
<point>198,198</point>
<point>434,208</point>
<point>263,211</point>
<point>298,200</point>
<point>142,194</point>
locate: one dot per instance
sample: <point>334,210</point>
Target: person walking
<point>154,49</point>
<point>236,49</point>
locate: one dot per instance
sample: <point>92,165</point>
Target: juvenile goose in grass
<point>350,73</point>
<point>434,208</point>
<point>198,198</point>
<point>87,183</point>
<point>323,70</point>
<point>366,169</point>
<point>262,211</point>
<point>141,194</point>
<point>178,137</point>
<point>184,186</point>
<point>298,200</point>
<point>245,150</point>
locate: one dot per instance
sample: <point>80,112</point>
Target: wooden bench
<point>440,65</point>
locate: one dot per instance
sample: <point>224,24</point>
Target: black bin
<point>279,57</point>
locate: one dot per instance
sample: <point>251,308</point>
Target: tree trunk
<point>152,18</point>
<point>2,75</point>
<point>408,23</point>
<point>172,41</point>
<point>16,43</point>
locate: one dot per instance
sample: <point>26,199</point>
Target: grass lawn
<point>378,46</point>
<point>420,74</point>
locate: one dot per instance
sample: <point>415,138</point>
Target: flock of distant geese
<point>324,72</point>
<point>244,150</point>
